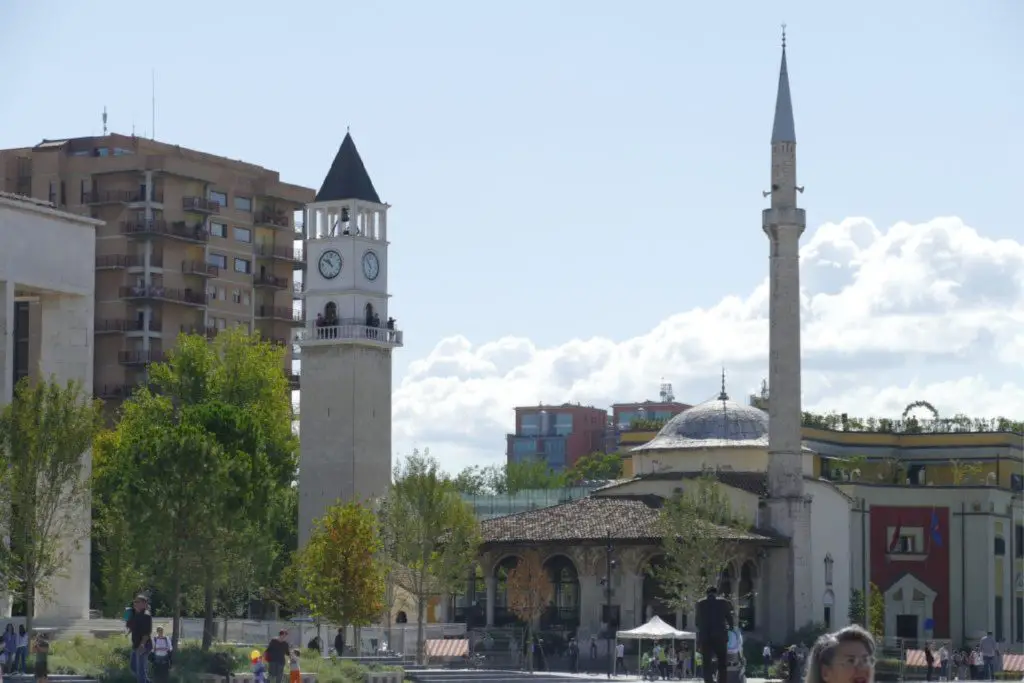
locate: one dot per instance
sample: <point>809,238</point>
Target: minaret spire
<point>783,129</point>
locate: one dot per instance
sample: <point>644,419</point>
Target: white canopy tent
<point>655,629</point>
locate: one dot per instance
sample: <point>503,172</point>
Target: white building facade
<point>47,294</point>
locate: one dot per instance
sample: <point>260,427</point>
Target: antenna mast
<point>104,119</point>
<point>152,110</point>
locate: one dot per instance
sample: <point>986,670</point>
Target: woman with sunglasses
<point>846,656</point>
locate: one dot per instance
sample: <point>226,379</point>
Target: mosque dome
<point>719,423</point>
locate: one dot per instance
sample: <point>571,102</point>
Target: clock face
<point>371,265</point>
<point>329,264</point>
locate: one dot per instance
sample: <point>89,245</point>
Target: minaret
<point>345,429</point>
<point>789,512</point>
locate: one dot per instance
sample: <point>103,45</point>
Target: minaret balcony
<point>784,216</point>
<point>351,333</point>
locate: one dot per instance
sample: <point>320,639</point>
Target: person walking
<point>42,662</point>
<point>929,661</point>
<point>277,656</point>
<point>140,627</point>
<point>21,652</point>
<point>162,650</point>
<point>988,649</point>
<point>714,621</point>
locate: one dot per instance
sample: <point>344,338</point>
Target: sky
<point>576,184</point>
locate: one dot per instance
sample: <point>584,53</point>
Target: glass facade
<point>550,449</point>
<point>626,417</point>
<point>529,424</point>
<point>487,507</point>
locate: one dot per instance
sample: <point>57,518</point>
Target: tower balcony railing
<point>118,261</point>
<point>189,297</point>
<point>361,333</point>
<point>199,268</point>
<point>270,281</point>
<point>200,205</point>
<point>178,230</point>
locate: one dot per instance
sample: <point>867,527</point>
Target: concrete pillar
<point>6,342</point>
<point>492,591</point>
<point>65,354</point>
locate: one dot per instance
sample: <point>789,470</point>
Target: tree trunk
<point>30,606</point>
<point>421,615</point>
<point>176,609</point>
<point>208,626</point>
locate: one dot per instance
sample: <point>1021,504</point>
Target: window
<point>829,562</point>
<point>53,192</point>
<point>242,266</point>
<point>563,424</point>
<point>219,260</point>
<point>243,204</point>
<point>236,296</point>
<point>828,617</point>
<point>1018,541</point>
<point>218,197</point>
<point>906,540</point>
<point>1019,618</point>
<point>218,229</point>
<point>1000,545</point>
<point>529,425</point>
<point>243,235</point>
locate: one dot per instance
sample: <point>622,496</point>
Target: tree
<point>340,573</point>
<point>472,480</point>
<point>531,474</point>
<point>965,472</point>
<point>215,429</point>
<point>876,608</point>
<point>855,614</point>
<point>597,466</point>
<point>530,591</point>
<point>431,535</point>
<point>44,488</point>
<point>699,532</point>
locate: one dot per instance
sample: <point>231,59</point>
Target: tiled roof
<point>590,519</point>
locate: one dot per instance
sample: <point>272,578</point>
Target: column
<point>6,341</point>
<point>492,590</point>
<point>66,353</point>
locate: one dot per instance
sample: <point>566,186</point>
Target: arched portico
<point>565,606</point>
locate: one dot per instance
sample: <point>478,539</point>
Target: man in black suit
<point>714,621</point>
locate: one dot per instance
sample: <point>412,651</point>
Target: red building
<point>559,435</point>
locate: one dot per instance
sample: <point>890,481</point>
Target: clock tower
<point>345,428</point>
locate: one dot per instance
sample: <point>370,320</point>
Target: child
<point>294,676</point>
<point>259,669</point>
<point>42,650</point>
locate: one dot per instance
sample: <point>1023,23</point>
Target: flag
<point>894,542</point>
<point>934,529</point>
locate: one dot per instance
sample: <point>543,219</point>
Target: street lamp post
<point>609,565</point>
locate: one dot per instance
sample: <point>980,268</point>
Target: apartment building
<point>191,242</point>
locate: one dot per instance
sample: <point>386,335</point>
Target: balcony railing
<point>274,218</point>
<point>121,197</point>
<point>139,357</point>
<point>279,253</point>
<point>116,261</point>
<point>116,392</point>
<point>188,297</point>
<point>121,325</point>
<point>271,281</point>
<point>359,333</point>
<point>278,313</point>
<point>293,380</point>
<point>200,205</point>
<point>199,268</point>
<point>177,230</point>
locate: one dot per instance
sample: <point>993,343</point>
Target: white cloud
<point>930,311</point>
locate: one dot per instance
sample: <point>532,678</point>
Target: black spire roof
<point>347,178</point>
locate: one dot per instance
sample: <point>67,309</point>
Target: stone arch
<point>564,611</point>
<point>746,595</point>
<point>331,312</point>
<point>502,615</point>
<point>653,596</point>
<point>828,603</point>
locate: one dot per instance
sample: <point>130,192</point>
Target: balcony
<point>97,197</point>
<point>122,325</point>
<point>284,313</point>
<point>199,268</point>
<point>137,358</point>
<point>367,335</point>
<point>115,392</point>
<point>200,205</point>
<point>188,297</point>
<point>118,261</point>
<point>268,281</point>
<point>269,251</point>
<point>178,230</point>
<point>273,219</point>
